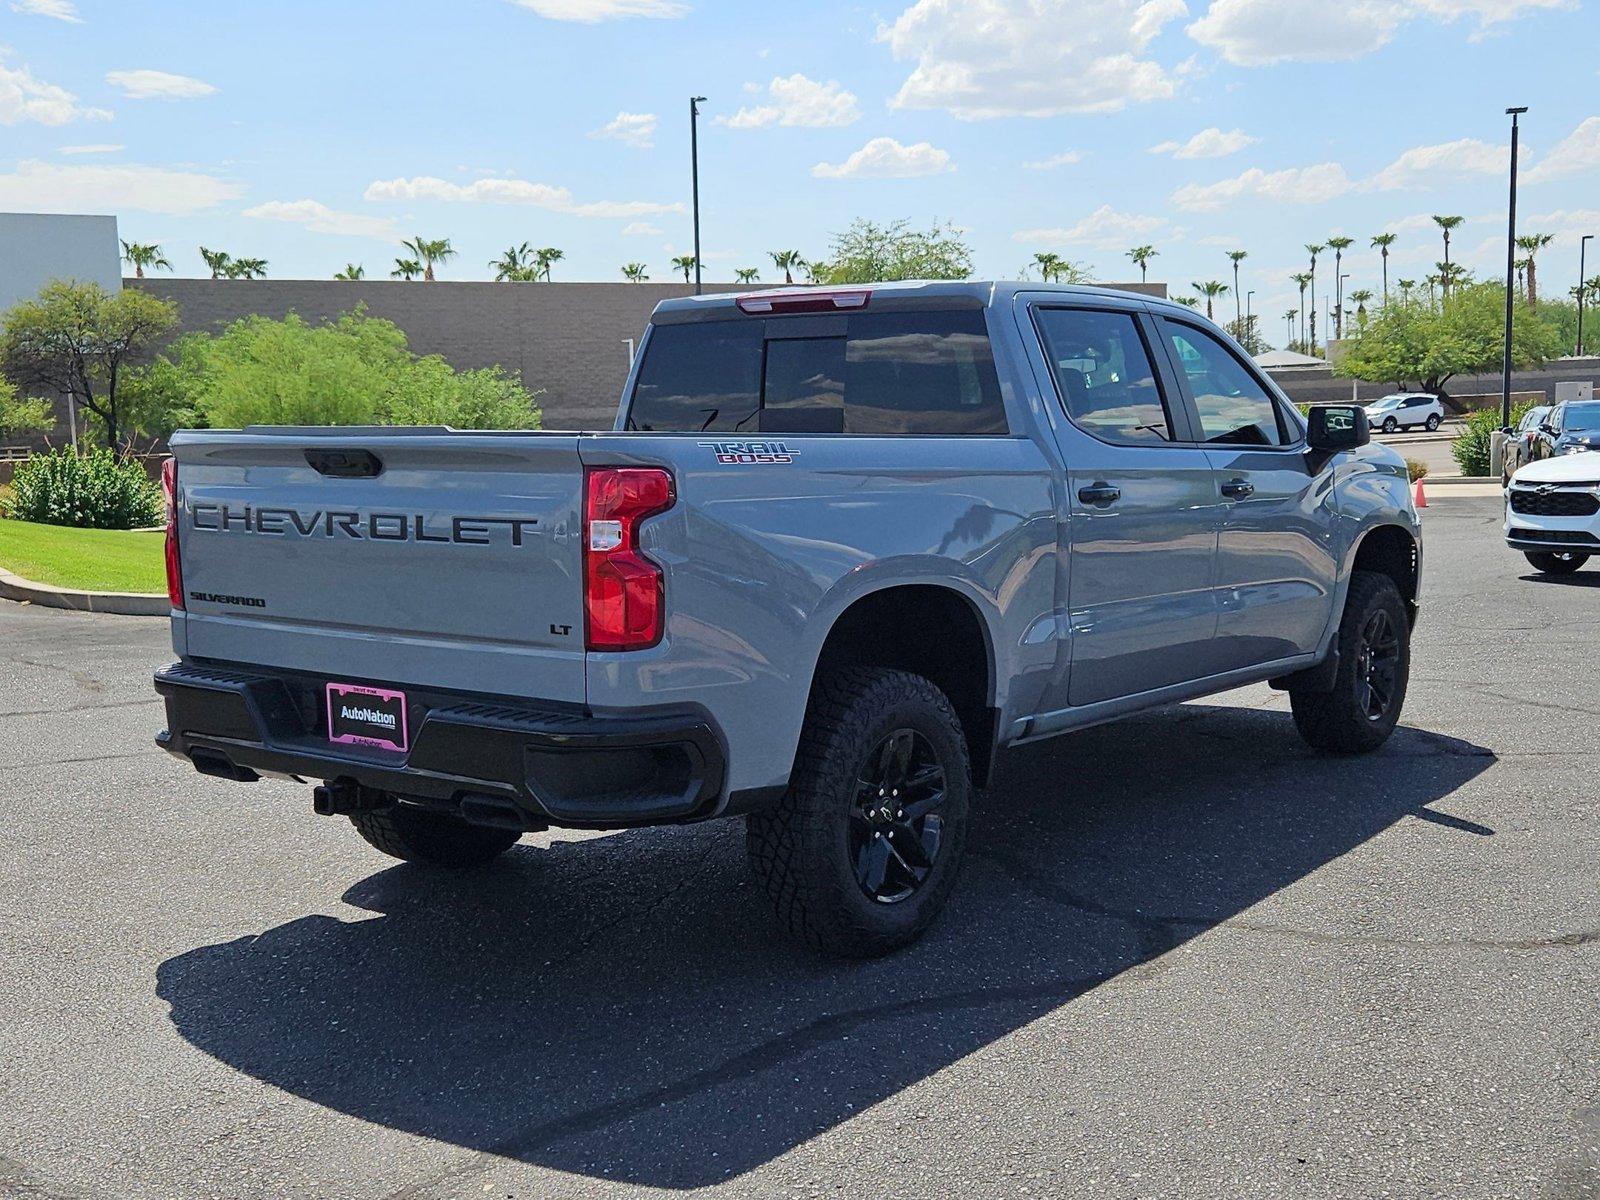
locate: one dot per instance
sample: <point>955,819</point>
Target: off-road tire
<point>417,835</point>
<point>1550,563</point>
<point>799,851</point>
<point>1335,720</point>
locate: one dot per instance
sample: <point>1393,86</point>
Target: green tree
<point>747,274</point>
<point>246,268</point>
<point>1446,224</point>
<point>1188,301</point>
<point>515,265</point>
<point>634,272</point>
<point>1339,245</point>
<point>430,253</point>
<point>1304,281</point>
<point>787,261</point>
<point>1381,243</point>
<point>1361,296</point>
<point>351,273</point>
<point>1422,346</point>
<point>544,259</point>
<point>869,252</point>
<point>1313,249</point>
<point>431,392</point>
<point>80,338</point>
<point>1236,257</point>
<point>1210,289</point>
<point>1048,265</point>
<point>216,261</point>
<point>684,263</point>
<point>1141,256</point>
<point>142,255</point>
<point>1531,244</point>
<point>406,268</point>
<point>23,416</point>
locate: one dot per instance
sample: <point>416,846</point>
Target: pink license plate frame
<point>358,715</point>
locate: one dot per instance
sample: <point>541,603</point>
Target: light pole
<point>1511,272</point>
<point>1583,246</point>
<point>694,169</point>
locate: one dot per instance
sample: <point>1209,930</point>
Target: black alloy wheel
<point>896,827</point>
<point>1377,662</point>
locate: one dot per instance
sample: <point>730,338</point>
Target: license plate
<point>367,716</point>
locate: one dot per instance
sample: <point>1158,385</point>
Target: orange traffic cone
<point>1419,498</point>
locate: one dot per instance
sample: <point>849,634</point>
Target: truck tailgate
<point>402,556</point>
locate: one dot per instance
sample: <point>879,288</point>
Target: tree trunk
<point>427,273</point>
<point>1533,286</point>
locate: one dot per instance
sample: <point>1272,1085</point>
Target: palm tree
<point>1313,249</point>
<point>684,263</point>
<point>634,272</point>
<point>1338,245</point>
<point>1450,274</point>
<point>1361,296</point>
<point>406,268</point>
<point>1237,257</point>
<point>429,253</point>
<point>747,274</point>
<point>1049,265</point>
<point>1406,287</point>
<point>1433,282</point>
<point>246,268</point>
<point>1381,242</point>
<point>1288,320</point>
<point>140,255</point>
<point>1142,256</point>
<point>544,259</point>
<point>351,272</point>
<point>787,261</point>
<point>217,260</point>
<point>1447,224</point>
<point>1210,289</point>
<point>1302,279</point>
<point>513,265</point>
<point>1522,265</point>
<point>1187,301</point>
<point>1533,243</point>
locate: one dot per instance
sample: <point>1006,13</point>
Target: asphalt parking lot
<point>1188,958</point>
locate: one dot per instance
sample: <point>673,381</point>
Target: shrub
<point>1471,447</point>
<point>1416,469</point>
<point>98,491</point>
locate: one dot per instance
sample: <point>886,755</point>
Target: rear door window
<point>916,373</point>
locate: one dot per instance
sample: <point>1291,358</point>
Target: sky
<point>313,134</point>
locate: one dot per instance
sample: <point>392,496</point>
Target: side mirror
<point>1335,427</point>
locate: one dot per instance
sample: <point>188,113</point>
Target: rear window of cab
<point>920,373</point>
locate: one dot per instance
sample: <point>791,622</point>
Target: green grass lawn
<point>93,560</point>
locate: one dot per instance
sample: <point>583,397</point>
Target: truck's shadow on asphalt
<point>622,1007</point>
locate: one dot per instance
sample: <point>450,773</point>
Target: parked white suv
<point>1553,512</point>
<point>1406,410</point>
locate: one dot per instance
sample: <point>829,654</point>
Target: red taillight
<point>623,591</point>
<point>169,493</point>
<point>811,300</point>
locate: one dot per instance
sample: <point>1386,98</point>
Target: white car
<point>1406,410</point>
<point>1553,512</point>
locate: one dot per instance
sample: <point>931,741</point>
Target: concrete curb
<point>1453,480</point>
<point>127,604</point>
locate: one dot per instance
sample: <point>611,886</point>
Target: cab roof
<point>902,295</point>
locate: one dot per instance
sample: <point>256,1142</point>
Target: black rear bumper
<point>498,761</point>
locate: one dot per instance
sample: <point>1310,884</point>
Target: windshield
<point>1584,417</point>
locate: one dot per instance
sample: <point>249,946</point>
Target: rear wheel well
<point>929,631</point>
<point>1392,551</point>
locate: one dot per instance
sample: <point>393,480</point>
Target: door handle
<point>1100,494</point>
<point>1238,489</point>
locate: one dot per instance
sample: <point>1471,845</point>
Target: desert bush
<point>96,491</point>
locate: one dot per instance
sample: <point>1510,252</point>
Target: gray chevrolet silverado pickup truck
<point>841,549</point>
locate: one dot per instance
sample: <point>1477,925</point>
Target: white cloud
<point>1103,229</point>
<point>159,85</point>
<point>1576,154</point>
<point>319,218</point>
<point>96,148</point>
<point>1255,32</point>
<point>590,11</point>
<point>24,97</point>
<point>885,158</point>
<point>510,191</point>
<point>796,100</point>
<point>46,187</point>
<point>1065,159</point>
<point>60,10</point>
<point>1424,164</point>
<point>641,229</point>
<point>1034,58</point>
<point>1208,143</point>
<point>631,129</point>
<point>1297,185</point>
